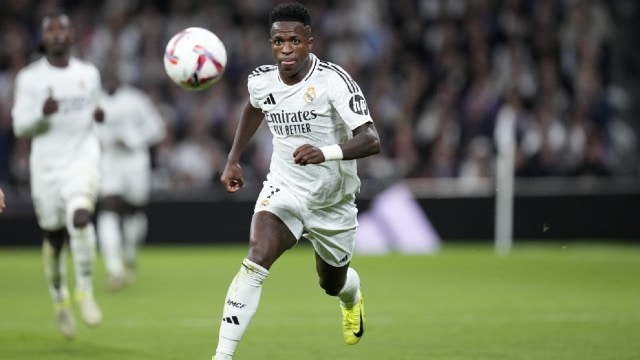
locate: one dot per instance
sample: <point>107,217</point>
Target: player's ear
<point>307,32</point>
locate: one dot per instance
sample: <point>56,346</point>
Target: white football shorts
<point>331,230</point>
<point>129,178</point>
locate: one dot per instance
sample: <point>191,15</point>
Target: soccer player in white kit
<point>132,125</point>
<point>320,124</point>
<point>56,104</point>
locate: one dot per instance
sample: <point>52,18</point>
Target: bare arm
<point>365,142</point>
<point>249,122</point>
<point>2,205</point>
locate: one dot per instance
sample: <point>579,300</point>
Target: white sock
<point>349,294</point>
<point>55,271</point>
<point>134,228</point>
<point>240,305</point>
<point>83,251</point>
<point>110,238</point>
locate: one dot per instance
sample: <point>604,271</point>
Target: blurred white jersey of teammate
<point>65,151</point>
<point>131,126</point>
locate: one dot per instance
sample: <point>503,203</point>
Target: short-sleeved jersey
<point>320,110</point>
<point>131,119</point>
<point>66,136</point>
<point>132,124</point>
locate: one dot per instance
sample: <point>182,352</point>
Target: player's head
<point>57,35</point>
<point>290,38</point>
<point>111,78</point>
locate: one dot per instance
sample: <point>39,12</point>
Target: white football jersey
<point>132,120</point>
<point>320,110</point>
<point>132,124</point>
<point>60,139</point>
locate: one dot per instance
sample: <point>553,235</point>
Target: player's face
<point>110,81</point>
<point>291,43</point>
<point>56,34</point>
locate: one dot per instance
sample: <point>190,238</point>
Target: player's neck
<point>58,60</point>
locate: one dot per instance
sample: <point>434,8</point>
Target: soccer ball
<point>195,58</point>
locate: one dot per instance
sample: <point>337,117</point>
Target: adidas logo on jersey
<point>270,100</point>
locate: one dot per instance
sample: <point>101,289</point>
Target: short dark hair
<point>290,11</point>
<point>54,13</point>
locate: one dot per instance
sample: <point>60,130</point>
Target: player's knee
<point>56,238</point>
<point>113,203</point>
<point>133,209</point>
<point>81,218</point>
<point>330,286</point>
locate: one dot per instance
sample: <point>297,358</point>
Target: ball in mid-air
<point>195,58</point>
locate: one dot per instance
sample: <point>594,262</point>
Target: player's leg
<point>83,250</point>
<point>54,263</point>
<point>49,209</point>
<point>344,283</point>
<point>332,231</point>
<point>55,269</point>
<point>134,224</point>
<point>269,238</point>
<point>109,223</point>
<point>134,228</point>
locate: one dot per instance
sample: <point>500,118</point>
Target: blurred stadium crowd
<point>435,73</point>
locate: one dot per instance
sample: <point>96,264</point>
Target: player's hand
<point>98,114</point>
<point>50,104</point>
<point>308,154</point>
<point>121,144</point>
<point>231,178</point>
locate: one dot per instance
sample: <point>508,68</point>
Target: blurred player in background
<point>132,125</point>
<point>2,204</point>
<point>56,104</point>
<point>320,124</point>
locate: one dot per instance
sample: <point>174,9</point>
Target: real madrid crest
<point>310,94</point>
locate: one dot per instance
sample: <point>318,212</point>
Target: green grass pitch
<point>551,301</point>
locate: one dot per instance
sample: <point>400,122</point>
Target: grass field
<point>552,301</point>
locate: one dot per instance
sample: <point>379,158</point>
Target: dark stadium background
<point>435,74</point>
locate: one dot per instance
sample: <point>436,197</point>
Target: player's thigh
<point>112,181</point>
<point>81,186</point>
<point>276,224</point>
<point>332,232</point>
<point>137,187</point>
<point>50,211</point>
<point>48,203</point>
<point>269,239</point>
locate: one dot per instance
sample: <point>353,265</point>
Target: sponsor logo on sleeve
<point>358,105</point>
